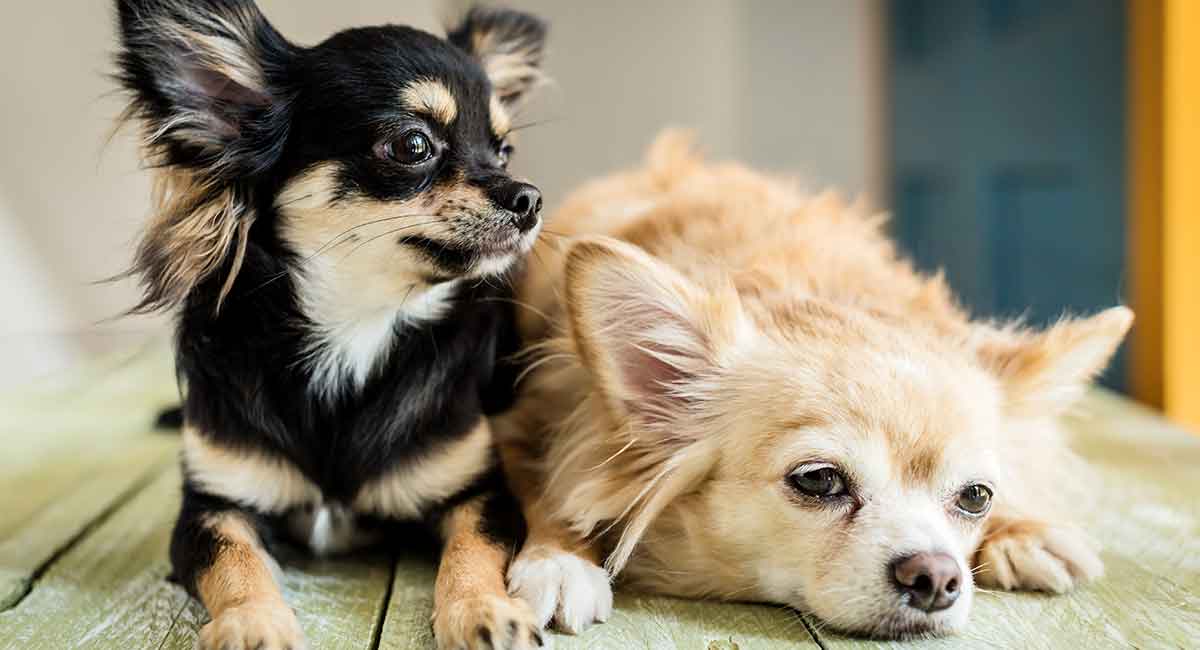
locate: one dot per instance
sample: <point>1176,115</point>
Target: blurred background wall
<point>792,86</point>
<point>1042,152</point>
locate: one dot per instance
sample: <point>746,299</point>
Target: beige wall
<point>785,84</point>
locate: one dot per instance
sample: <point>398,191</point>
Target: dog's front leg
<point>220,559</point>
<point>1025,553</point>
<point>471,608</point>
<point>556,572</point>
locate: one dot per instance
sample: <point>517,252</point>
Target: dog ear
<point>1044,372</point>
<point>650,338</point>
<point>509,44</point>
<point>205,79</point>
<point>642,329</point>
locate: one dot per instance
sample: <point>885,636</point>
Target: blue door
<point>1008,151</point>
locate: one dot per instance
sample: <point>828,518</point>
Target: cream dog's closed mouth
<point>742,392</point>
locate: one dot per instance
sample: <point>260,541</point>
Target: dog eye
<point>505,152</point>
<point>412,148</point>
<point>819,481</point>
<point>974,499</point>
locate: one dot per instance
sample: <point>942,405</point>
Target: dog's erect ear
<point>205,80</point>
<point>509,44</point>
<point>1044,372</point>
<point>643,330</point>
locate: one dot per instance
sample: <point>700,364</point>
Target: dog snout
<point>524,201</point>
<point>932,581</point>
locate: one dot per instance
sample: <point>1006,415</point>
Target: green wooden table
<point>88,494</point>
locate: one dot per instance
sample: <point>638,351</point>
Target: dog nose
<point>525,201</point>
<point>931,580</point>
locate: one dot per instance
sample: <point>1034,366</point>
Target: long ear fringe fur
<point>197,227</point>
<point>201,217</point>
<point>601,480</point>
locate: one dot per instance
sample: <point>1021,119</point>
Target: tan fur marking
<point>512,68</point>
<point>228,57</point>
<point>404,491</point>
<point>920,465</point>
<point>432,98</point>
<point>240,590</point>
<point>465,553</point>
<point>192,232</point>
<point>248,478</point>
<point>469,592</point>
<point>501,120</point>
<point>241,571</point>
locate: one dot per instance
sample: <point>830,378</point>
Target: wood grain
<point>75,447</point>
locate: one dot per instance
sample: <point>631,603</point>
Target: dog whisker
<point>384,234</point>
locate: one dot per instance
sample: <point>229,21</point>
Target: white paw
<point>267,625</point>
<point>1053,559</point>
<point>561,586</point>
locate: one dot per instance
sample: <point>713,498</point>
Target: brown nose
<point>932,581</point>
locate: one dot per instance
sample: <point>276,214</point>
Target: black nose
<point>525,201</point>
<point>931,580</point>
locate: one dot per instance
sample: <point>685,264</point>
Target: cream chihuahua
<point>741,392</point>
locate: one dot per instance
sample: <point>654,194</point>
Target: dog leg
<point>557,573</point>
<point>1025,554</point>
<point>471,609</point>
<point>220,559</point>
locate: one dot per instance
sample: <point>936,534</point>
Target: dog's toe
<point>253,626</point>
<point>562,587</point>
<point>487,623</point>
<point>1037,558</point>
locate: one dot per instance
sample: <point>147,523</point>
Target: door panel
<point>1007,151</point>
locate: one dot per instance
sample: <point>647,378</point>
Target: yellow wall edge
<point>1145,202</point>
<point>1181,211</point>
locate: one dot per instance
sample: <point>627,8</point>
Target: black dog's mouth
<point>458,259</point>
<point>447,256</point>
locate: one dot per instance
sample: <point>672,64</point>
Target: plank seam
<point>385,603</point>
<point>104,515</point>
<point>174,622</point>
<point>812,632</point>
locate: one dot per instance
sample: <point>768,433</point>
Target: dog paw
<point>1035,557</point>
<point>561,586</point>
<point>486,623</point>
<point>253,626</point>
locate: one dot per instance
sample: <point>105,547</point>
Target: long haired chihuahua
<point>743,392</point>
<point>327,224</point>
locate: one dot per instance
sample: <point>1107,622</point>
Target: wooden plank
<point>110,590</point>
<point>339,601</point>
<point>1148,519</point>
<point>94,488</point>
<point>76,445</point>
<point>406,625</point>
<point>638,621</point>
<point>649,622</point>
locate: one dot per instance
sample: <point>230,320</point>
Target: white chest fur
<point>328,529</point>
<point>354,330</point>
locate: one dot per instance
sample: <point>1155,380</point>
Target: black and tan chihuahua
<point>327,224</point>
